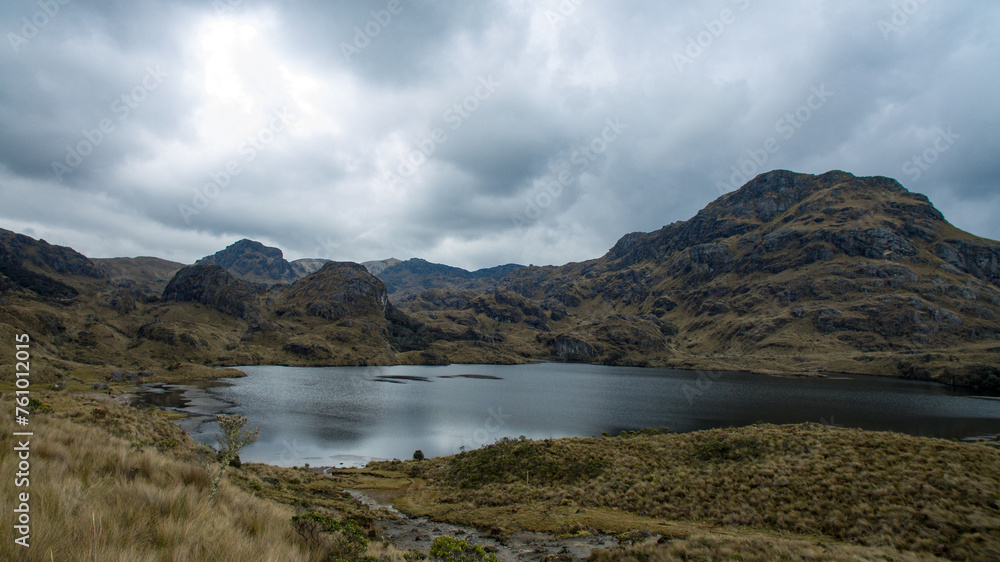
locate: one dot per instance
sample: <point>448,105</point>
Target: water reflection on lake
<point>333,416</point>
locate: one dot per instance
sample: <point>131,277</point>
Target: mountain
<point>253,261</point>
<point>413,276</point>
<point>307,266</point>
<point>41,268</point>
<point>148,274</point>
<point>378,266</point>
<point>214,286</point>
<point>790,273</point>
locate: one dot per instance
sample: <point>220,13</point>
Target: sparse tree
<point>231,440</point>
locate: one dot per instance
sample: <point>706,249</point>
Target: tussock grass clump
<point>860,487</point>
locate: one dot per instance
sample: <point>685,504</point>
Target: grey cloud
<point>320,186</point>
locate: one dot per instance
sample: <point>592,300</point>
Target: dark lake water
<point>334,416</point>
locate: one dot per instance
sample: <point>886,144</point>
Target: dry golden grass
<point>852,486</point>
<point>110,482</point>
<point>709,547</point>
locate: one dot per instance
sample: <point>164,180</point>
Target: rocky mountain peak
<point>252,261</point>
<point>39,254</point>
<point>337,291</point>
<point>835,204</point>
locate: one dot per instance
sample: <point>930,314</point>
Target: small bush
<point>342,540</point>
<point>231,440</point>
<point>418,455</point>
<point>450,549</point>
<point>36,406</point>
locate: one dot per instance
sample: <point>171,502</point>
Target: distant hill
<point>307,266</point>
<point>253,261</point>
<point>149,273</point>
<point>413,276</point>
<point>378,266</point>
<point>39,267</point>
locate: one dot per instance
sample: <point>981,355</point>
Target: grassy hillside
<point>801,482</point>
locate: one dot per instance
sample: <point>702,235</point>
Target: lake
<point>345,416</point>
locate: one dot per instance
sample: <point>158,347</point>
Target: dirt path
<point>418,532</point>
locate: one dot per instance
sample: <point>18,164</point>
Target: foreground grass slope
<point>917,495</point>
<point>110,482</point>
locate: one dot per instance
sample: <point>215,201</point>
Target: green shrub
<point>36,406</point>
<point>342,540</point>
<point>418,455</point>
<point>450,549</point>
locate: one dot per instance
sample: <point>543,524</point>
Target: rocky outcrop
<point>510,307</point>
<point>14,275</point>
<point>338,291</point>
<point>253,261</point>
<point>29,264</point>
<point>571,348</point>
<point>215,287</point>
<point>874,243</point>
<point>979,260</point>
<point>703,261</point>
<point>630,286</point>
<point>27,251</point>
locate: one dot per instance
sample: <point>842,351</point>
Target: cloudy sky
<point>473,133</point>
